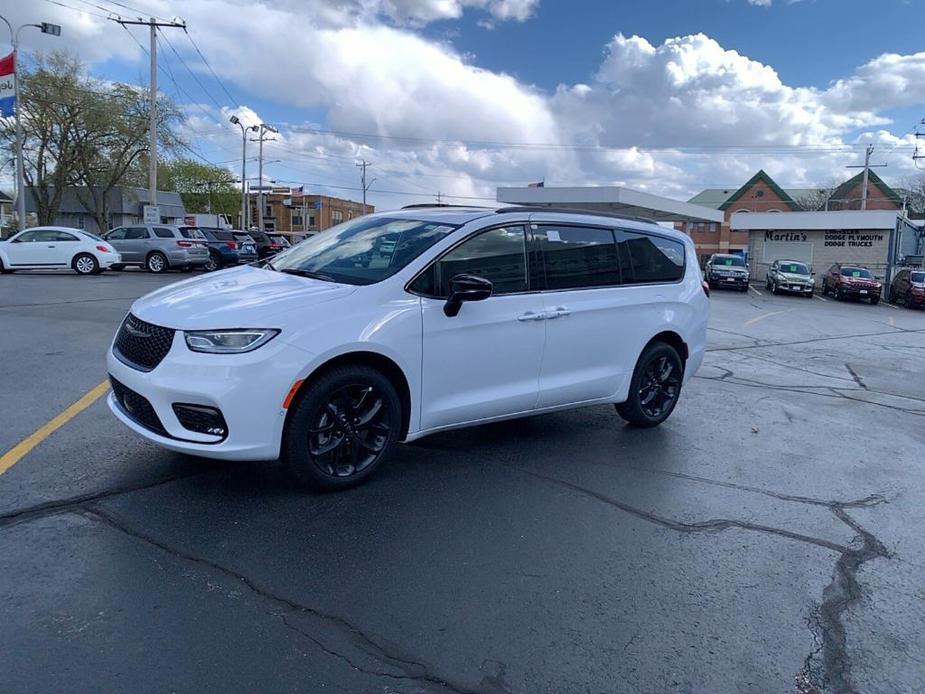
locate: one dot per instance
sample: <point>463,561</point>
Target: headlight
<point>228,341</point>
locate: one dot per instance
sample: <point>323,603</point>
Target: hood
<point>243,297</point>
<point>795,276</point>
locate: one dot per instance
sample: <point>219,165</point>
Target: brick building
<point>761,194</point>
<point>290,211</point>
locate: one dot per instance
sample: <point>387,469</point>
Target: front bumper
<point>107,260</point>
<point>726,281</point>
<point>858,292</point>
<point>794,288</point>
<point>248,389</point>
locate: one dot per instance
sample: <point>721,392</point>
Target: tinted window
<point>918,276</point>
<point>191,233</point>
<point>645,258</point>
<point>136,233</point>
<point>578,256</point>
<point>498,255</point>
<point>163,232</point>
<point>64,236</point>
<point>243,238</point>
<point>259,236</point>
<point>856,272</point>
<point>218,234</point>
<point>116,234</point>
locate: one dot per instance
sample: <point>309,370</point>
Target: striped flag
<point>7,93</point>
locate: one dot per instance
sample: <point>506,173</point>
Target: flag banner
<point>7,92</point>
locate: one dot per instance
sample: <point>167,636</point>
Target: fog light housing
<point>201,419</point>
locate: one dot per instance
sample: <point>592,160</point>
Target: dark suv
<point>224,249</point>
<point>724,270</point>
<point>851,282</point>
<point>908,285</point>
<point>266,246</point>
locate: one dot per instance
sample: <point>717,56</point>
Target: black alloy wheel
<point>654,388</point>
<point>342,429</point>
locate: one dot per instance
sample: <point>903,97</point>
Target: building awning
<point>812,221</point>
<point>613,199</point>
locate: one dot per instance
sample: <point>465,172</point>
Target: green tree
<point>204,188</point>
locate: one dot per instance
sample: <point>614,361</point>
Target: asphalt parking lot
<point>767,538</point>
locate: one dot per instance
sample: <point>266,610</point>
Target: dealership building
<point>875,239</point>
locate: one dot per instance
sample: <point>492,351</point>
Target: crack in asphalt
<point>813,340</point>
<point>856,377</point>
<point>413,670</point>
<point>833,672</point>
<point>68,504</point>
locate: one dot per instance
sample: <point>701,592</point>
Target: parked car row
<point>155,247</point>
<point>843,281</point>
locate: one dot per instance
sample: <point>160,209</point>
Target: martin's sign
<point>7,88</point>
<point>784,236</point>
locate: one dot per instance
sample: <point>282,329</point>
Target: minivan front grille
<point>142,345</point>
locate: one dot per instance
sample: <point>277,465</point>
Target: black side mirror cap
<point>466,287</point>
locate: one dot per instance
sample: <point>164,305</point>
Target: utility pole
<point>366,186</point>
<point>263,129</point>
<point>439,198</point>
<point>45,28</point>
<point>867,167</point>
<point>153,25</point>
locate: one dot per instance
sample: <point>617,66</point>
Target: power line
<point>201,55</point>
<point>193,74</point>
<point>78,9</point>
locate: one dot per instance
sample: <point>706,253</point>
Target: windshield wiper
<point>309,274</point>
<point>268,264</point>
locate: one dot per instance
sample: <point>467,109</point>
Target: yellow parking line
<point>16,453</point>
<point>767,315</point>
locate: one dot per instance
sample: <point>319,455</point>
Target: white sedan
<point>43,248</point>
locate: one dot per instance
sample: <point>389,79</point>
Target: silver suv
<point>159,247</point>
<point>790,276</point>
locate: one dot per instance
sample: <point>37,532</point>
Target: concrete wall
<point>819,248</point>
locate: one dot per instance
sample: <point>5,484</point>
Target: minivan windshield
<point>362,251</point>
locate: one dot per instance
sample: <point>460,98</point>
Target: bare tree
<point>112,145</point>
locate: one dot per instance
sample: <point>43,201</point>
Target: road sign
<point>152,214</point>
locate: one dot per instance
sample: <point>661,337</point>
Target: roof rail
<point>575,210</point>
<point>424,205</point>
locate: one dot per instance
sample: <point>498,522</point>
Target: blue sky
<point>797,88</point>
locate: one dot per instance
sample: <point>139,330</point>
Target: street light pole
<point>45,28</point>
<point>263,129</point>
<point>244,206</point>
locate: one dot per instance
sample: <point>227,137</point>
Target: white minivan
<point>397,325</point>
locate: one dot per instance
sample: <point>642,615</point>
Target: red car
<point>851,282</point>
<point>908,285</point>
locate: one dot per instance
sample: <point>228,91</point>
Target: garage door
<point>788,250</point>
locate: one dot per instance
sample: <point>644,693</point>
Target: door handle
<point>560,312</point>
<point>531,316</point>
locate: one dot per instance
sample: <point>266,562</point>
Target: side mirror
<point>466,287</point>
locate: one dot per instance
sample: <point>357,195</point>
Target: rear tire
<point>4,270</point>
<point>85,264</point>
<point>215,263</point>
<point>341,429</point>
<point>157,263</point>
<point>654,388</point>
<point>874,300</point>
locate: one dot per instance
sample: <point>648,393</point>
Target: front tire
<point>654,388</point>
<point>874,300</point>
<point>4,270</point>
<point>157,263</point>
<point>342,429</point>
<point>85,264</point>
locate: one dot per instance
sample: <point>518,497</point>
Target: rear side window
<point>163,232</point>
<point>645,258</point>
<point>191,233</point>
<point>575,257</point>
<point>498,255</point>
<point>136,233</point>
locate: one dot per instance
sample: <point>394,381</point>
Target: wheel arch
<point>376,360</point>
<point>673,339</point>
<point>157,251</point>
